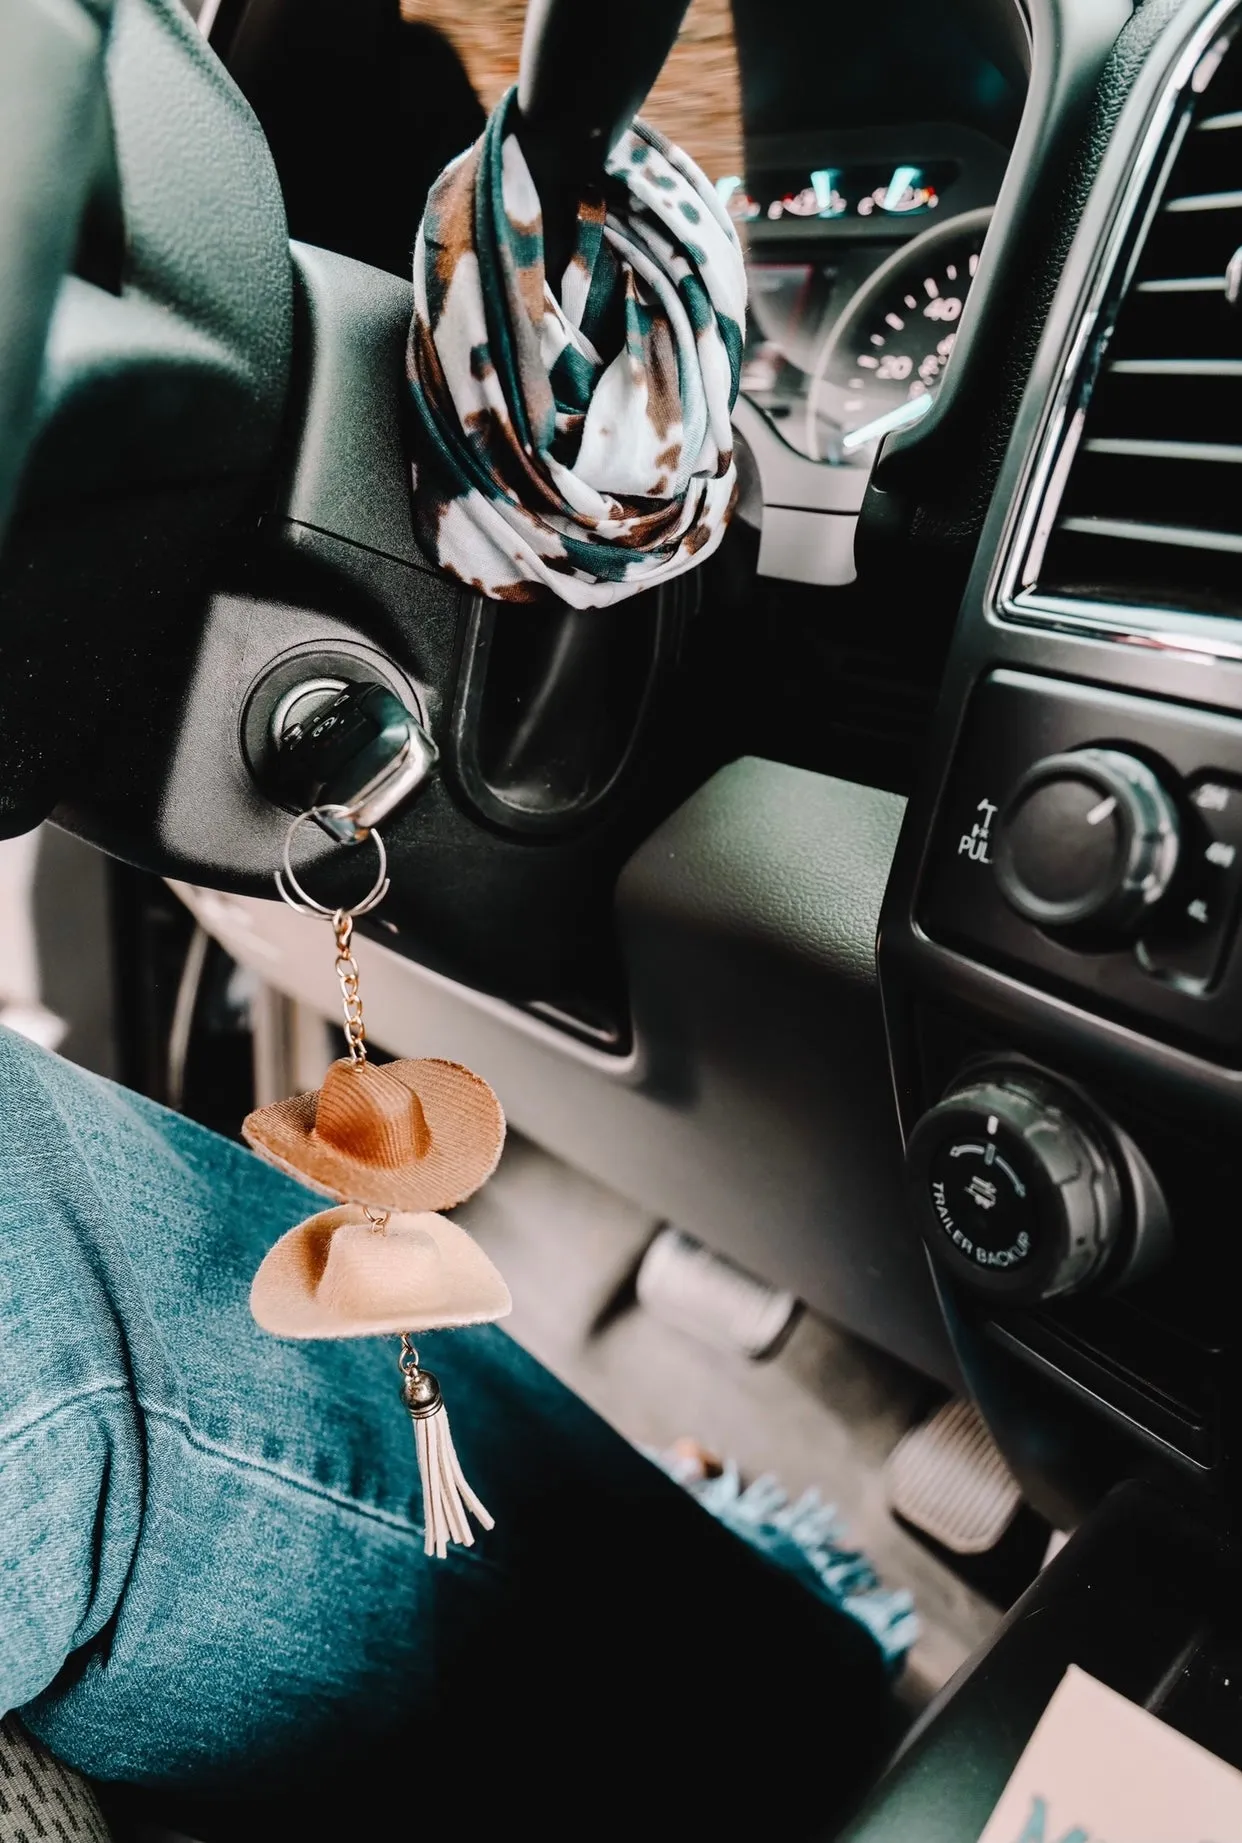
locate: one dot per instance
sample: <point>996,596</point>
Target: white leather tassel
<point>447,1498</point>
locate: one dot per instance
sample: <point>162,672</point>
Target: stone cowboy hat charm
<point>394,1144</point>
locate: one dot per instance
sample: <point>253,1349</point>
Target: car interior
<point>849,926</point>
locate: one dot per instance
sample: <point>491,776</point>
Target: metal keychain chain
<point>347,974</point>
<point>342,920</point>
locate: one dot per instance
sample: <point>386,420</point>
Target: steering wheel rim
<point>53,112</point>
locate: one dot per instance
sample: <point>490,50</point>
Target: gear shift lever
<point>585,73</point>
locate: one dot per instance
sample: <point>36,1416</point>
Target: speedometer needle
<point>899,418</point>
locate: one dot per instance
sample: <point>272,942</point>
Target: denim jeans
<point>212,1579</point>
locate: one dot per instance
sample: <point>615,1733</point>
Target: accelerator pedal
<point>687,1286</point>
<point>948,1479</point>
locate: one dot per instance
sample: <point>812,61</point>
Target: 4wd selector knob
<point>1088,838</point>
<point>1017,1192</point>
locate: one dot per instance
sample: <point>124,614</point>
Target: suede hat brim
<point>337,1275</point>
<point>465,1121</point>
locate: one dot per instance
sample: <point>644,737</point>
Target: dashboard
<point>986,558</point>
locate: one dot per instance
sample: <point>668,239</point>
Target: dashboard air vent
<point>1149,515</point>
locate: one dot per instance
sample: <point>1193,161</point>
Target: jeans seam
<point>249,1463</point>
<point>340,1500</point>
<point>10,1434</point>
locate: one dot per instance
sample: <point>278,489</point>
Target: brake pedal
<point>687,1286</point>
<point>948,1479</point>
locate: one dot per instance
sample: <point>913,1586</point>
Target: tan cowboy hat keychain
<point>394,1144</point>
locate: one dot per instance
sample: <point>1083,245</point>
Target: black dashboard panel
<point>1180,973</point>
<point>1137,1022</point>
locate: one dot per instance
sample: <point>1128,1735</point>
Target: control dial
<point>1089,839</point>
<point>1017,1192</point>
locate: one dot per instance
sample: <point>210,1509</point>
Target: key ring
<point>305,904</point>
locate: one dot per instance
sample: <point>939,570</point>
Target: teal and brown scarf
<point>574,439</point>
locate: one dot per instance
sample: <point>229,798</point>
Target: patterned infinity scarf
<point>576,441</point>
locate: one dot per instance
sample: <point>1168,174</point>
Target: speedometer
<point>885,356</point>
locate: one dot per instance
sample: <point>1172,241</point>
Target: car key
<point>353,760</point>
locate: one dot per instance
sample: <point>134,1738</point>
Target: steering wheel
<point>145,344</point>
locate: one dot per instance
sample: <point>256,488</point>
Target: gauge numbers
<point>889,348</point>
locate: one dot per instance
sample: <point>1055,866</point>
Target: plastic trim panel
<point>756,1109</point>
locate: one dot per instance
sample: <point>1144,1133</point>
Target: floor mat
<point>823,1414</point>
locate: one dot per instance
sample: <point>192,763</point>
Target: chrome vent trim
<point>1015,593</point>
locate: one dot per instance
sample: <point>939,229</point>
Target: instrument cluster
<point>860,271</point>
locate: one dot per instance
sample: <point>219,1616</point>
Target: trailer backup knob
<point>1017,1194</point>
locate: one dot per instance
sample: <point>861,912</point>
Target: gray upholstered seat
<point>40,1798</point>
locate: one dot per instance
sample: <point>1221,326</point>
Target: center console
<point>1142,1551</point>
<point>1059,951</point>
